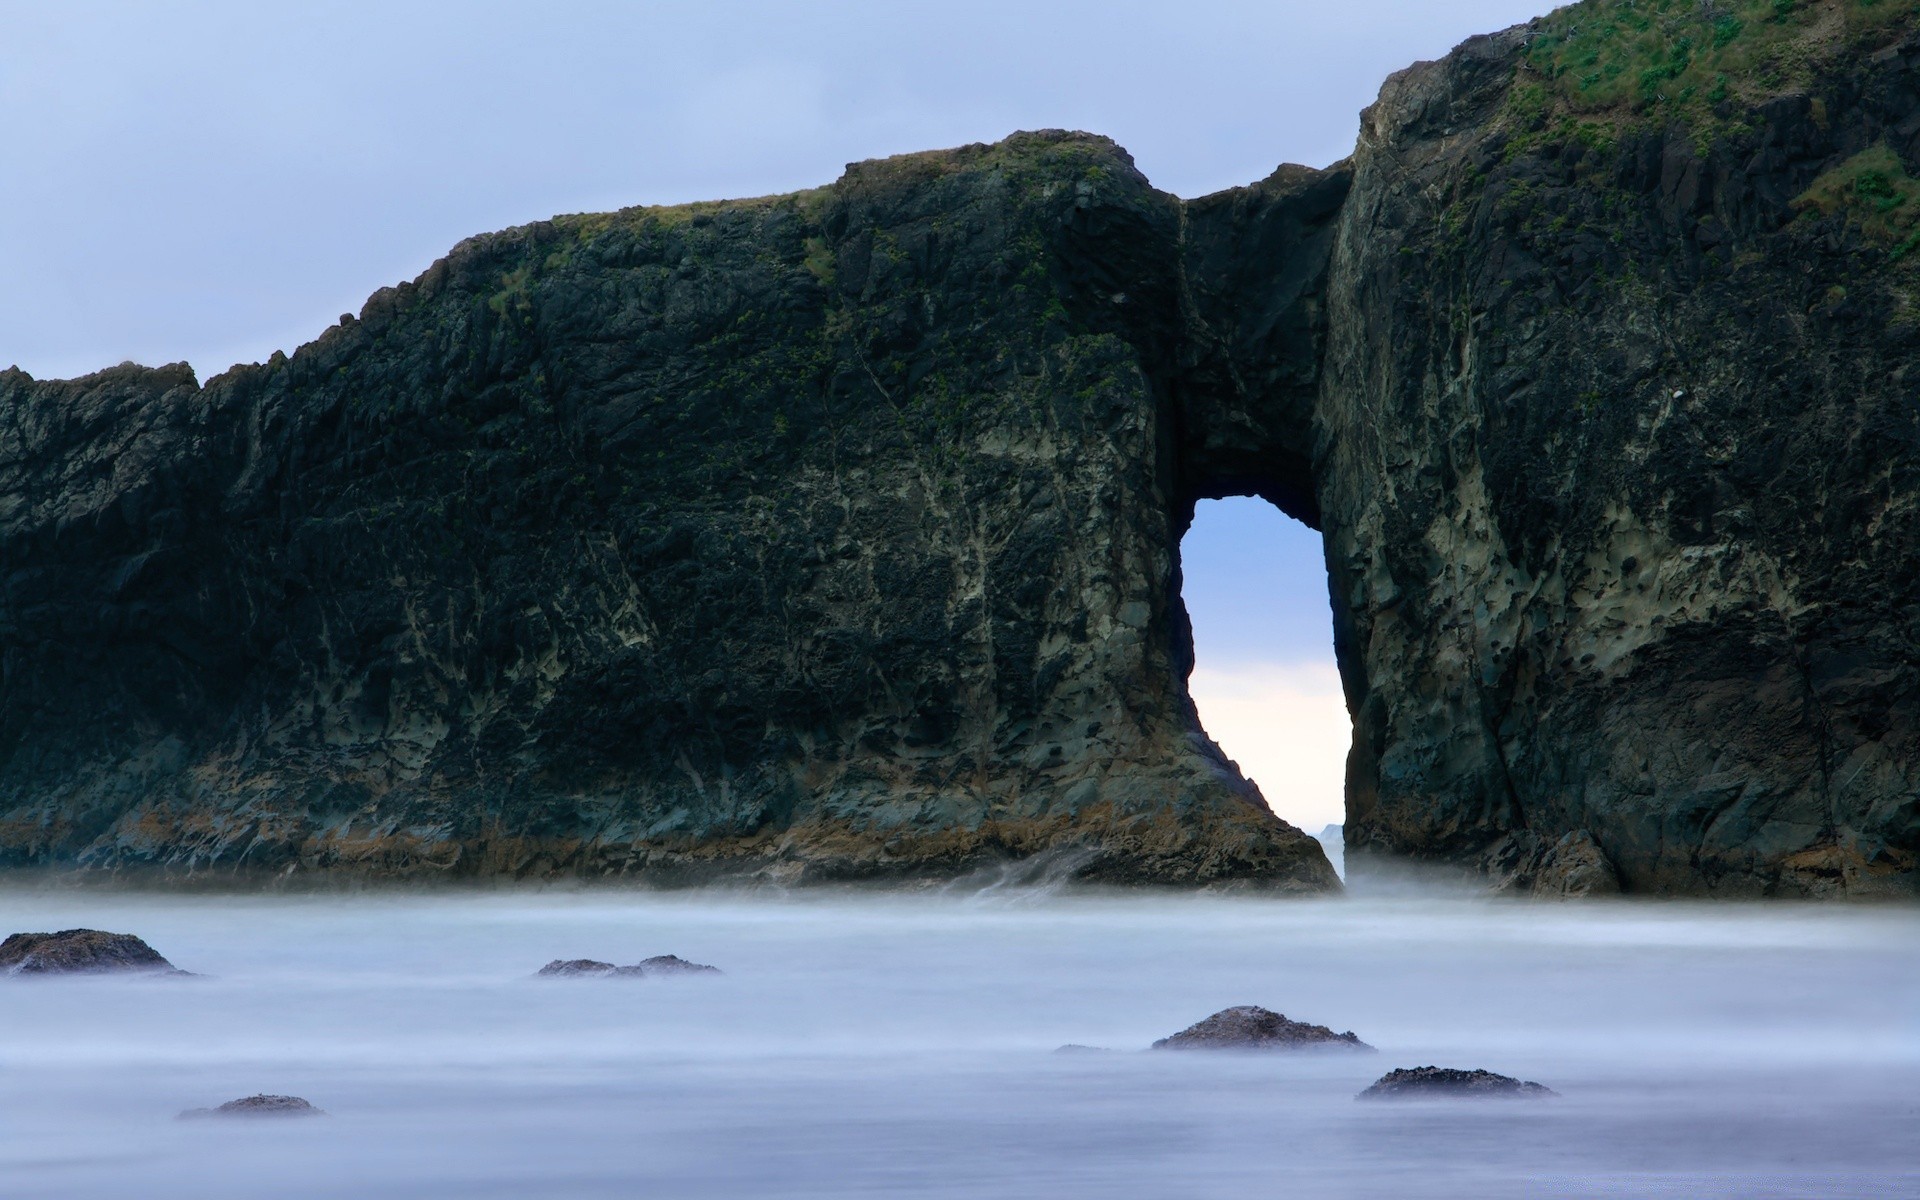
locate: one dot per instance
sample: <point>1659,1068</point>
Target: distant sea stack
<point>835,535</point>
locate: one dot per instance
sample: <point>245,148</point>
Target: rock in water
<point>1250,1027</point>
<point>673,964</point>
<point>258,1106</point>
<point>576,968</point>
<point>1412,1083</point>
<point>659,964</point>
<point>80,951</point>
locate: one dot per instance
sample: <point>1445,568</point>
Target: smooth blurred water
<point>890,1045</point>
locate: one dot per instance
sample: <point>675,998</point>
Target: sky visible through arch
<point>216,181</point>
<point>1255,584</point>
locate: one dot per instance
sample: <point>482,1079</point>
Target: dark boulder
<point>258,1106</point>
<point>80,952</point>
<point>1412,1083</point>
<point>1250,1027</point>
<point>587,968</point>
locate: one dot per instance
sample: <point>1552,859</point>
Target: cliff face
<point>821,536</point>
<point>1619,418</point>
<point>834,535</point>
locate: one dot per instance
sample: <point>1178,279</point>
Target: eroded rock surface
<point>1617,447</point>
<point>80,952</point>
<point>822,536</point>
<point>1250,1027</point>
<point>1415,1083</point>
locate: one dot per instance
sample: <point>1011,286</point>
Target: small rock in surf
<point>1412,1083</point>
<point>587,968</point>
<point>673,964</point>
<point>1250,1027</point>
<point>80,952</point>
<point>257,1106</point>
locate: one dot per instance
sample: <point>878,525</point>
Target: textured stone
<point>1250,1027</point>
<point>1626,486</point>
<point>80,952</point>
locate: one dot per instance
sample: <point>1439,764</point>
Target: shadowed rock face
<point>822,536</point>
<point>835,535</point>
<point>1617,442</point>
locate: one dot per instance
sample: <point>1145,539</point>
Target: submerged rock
<point>262,1105</point>
<point>1250,1027</point>
<point>80,952</point>
<point>1409,1083</point>
<point>588,968</point>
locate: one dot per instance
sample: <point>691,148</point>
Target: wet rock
<point>1077,1048</point>
<point>673,964</point>
<point>1250,1027</point>
<point>576,968</point>
<point>1412,1083</point>
<point>1571,867</point>
<point>257,1106</point>
<point>658,965</point>
<point>80,952</point>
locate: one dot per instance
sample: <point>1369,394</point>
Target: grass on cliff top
<point>1690,56</point>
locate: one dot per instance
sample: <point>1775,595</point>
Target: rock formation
<point>835,535</point>
<point>257,1106</point>
<point>80,952</point>
<point>587,968</point>
<point>1419,1083</point>
<point>1250,1027</point>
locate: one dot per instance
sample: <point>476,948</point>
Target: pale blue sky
<point>215,181</point>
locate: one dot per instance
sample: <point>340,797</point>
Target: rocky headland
<point>835,535</point>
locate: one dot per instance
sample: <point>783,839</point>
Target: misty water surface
<point>887,1045</point>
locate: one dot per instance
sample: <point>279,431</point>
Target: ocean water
<point>903,1045</point>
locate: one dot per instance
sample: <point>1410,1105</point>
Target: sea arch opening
<point>1264,679</point>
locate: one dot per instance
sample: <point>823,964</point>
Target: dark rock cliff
<point>829,535</point>
<point>835,535</point>
<point>1621,421</point>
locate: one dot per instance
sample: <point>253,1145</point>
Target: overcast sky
<point>212,182</point>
